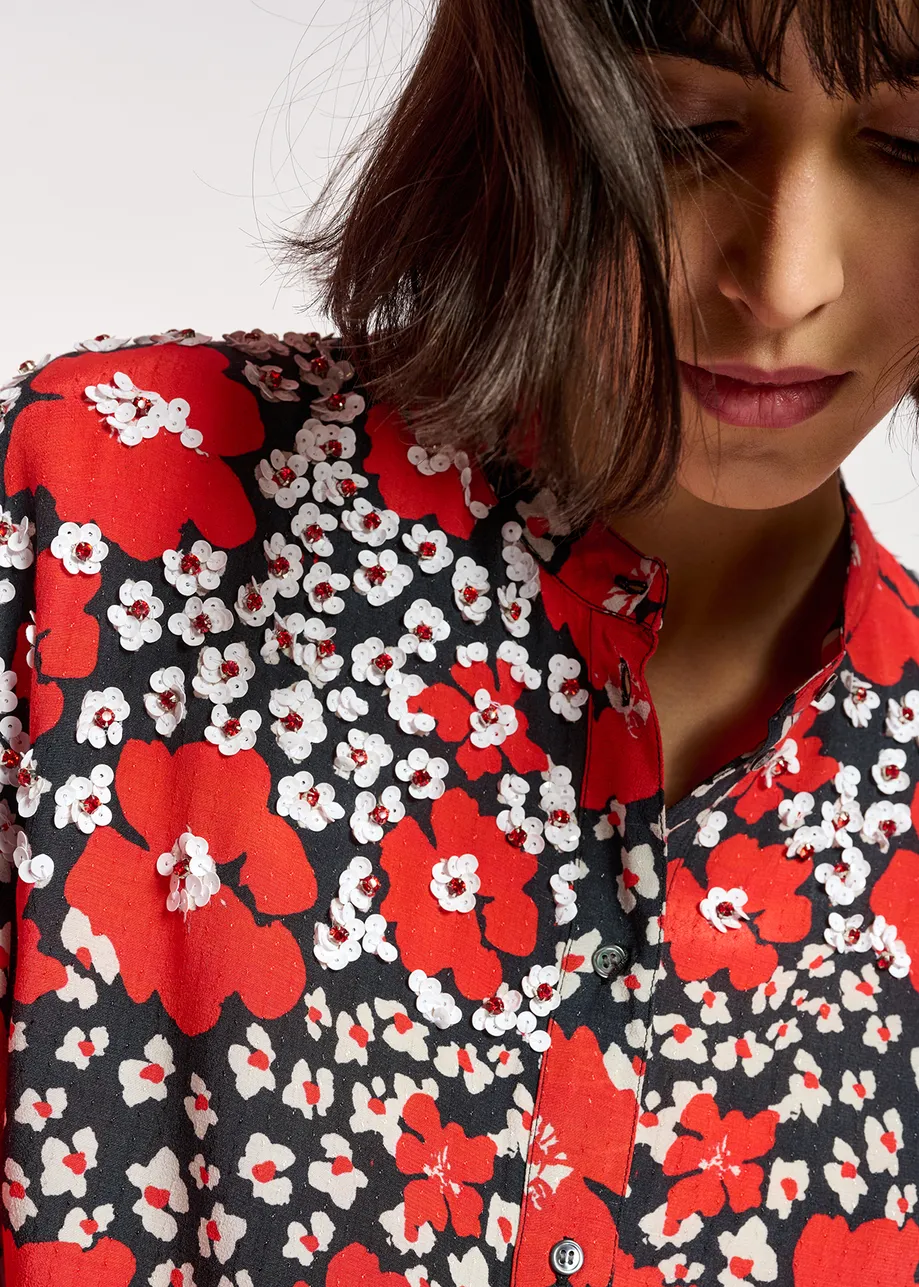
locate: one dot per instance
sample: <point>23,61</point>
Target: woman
<point>460,774</point>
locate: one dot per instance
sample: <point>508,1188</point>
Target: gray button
<point>566,1257</point>
<point>609,960</point>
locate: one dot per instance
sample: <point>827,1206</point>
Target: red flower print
<point>895,896</point>
<point>140,496</point>
<point>755,799</point>
<point>717,1154</point>
<point>452,710</point>
<point>108,1263</point>
<point>430,938</point>
<point>195,964</point>
<point>887,637</point>
<point>35,973</point>
<point>355,1264</point>
<point>569,1160</point>
<point>67,636</point>
<point>777,913</point>
<point>411,494</point>
<point>873,1254</point>
<point>451,1163</point>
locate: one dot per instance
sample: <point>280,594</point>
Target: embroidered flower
<point>362,756</point>
<point>84,801</point>
<point>232,733</point>
<point>285,565</point>
<point>381,577</point>
<point>165,703</point>
<point>512,789</point>
<point>200,618</point>
<point>370,526</point>
<point>563,891</point>
<point>567,695</point>
<point>892,955</point>
<point>282,639</point>
<point>841,818</point>
<point>255,602</point>
<point>723,908</point>
<point>372,814</point>
<point>336,482</point>
<point>429,547</point>
<point>888,772</point>
<point>883,821</point>
<point>135,617</point>
<point>711,824</point>
<point>470,590</point>
<point>195,571</point>
<point>80,547</point>
<point>540,986</point>
<point>782,760</point>
<point>223,676</point>
<point>557,800</point>
<point>861,699</point>
<point>34,869</point>
<point>315,440</point>
<point>323,586</point>
<point>346,704</point>
<point>374,940</point>
<point>358,885</point>
<point>847,781</point>
<point>536,1038</point>
<point>515,610</point>
<point>257,343</point>
<point>101,716</point>
<point>424,774</point>
<point>902,723</point>
<point>498,1013</point>
<point>806,842</point>
<point>299,724</point>
<point>339,943</point>
<point>518,661</point>
<point>373,662</point>
<point>310,804</point>
<point>192,873</point>
<point>30,785</point>
<point>425,626</point>
<point>435,1005</point>
<point>311,525</point>
<point>847,933</point>
<point>845,879</point>
<point>272,384</point>
<point>16,541</point>
<point>281,477</point>
<point>455,882</point>
<point>793,811</point>
<point>338,406</point>
<point>492,722</point>
<point>520,831</point>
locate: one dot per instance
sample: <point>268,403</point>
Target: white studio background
<point>151,151</point>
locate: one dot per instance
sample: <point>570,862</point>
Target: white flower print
<point>232,733</point>
<point>145,1079</point>
<point>724,908</point>
<point>65,1165</point>
<point>429,547</point>
<point>424,774</point>
<point>346,704</point>
<point>198,1107</point>
<point>455,882</point>
<point>223,676</point>
<point>883,821</point>
<point>285,565</point>
<point>435,1005</point>
<point>16,541</point>
<point>255,602</point>
<point>567,695</point>
<point>165,703</point>
<point>842,1176</point>
<point>793,811</point>
<point>373,662</point>
<point>101,717</point>
<point>251,1064</point>
<point>883,1142</point>
<point>425,628</point>
<point>299,724</point>
<point>282,477</point>
<point>311,525</point>
<point>902,723</point>
<point>36,1110</point>
<point>200,618</point>
<point>196,571</point>
<point>78,1049</point>
<point>901,1203</point>
<point>711,824</point>
<point>492,722</point>
<point>303,1244</point>
<point>84,801</point>
<point>372,814</point>
<point>81,1228</point>
<point>471,589</point>
<point>888,771</point>
<point>220,1233</point>
<point>498,1013</point>
<point>192,873</point>
<point>540,986</point>
<point>323,587</point>
<point>19,1206</point>
<point>515,610</point>
<point>337,1176</point>
<point>310,804</point>
<point>135,617</point>
<point>261,1163</point>
<point>892,955</point>
<point>370,526</point>
<point>861,699</point>
<point>335,482</point>
<point>845,879</point>
<point>380,576</point>
<point>80,547</point>
<point>362,756</point>
<point>520,831</point>
<point>309,1093</point>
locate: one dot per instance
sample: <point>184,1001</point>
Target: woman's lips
<point>767,406</point>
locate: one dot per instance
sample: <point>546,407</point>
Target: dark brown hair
<point>498,257</point>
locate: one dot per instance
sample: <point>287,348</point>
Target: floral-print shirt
<point>348,938</point>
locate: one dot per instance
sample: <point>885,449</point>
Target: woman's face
<point>800,247</point>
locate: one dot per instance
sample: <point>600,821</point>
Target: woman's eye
<point>697,142</point>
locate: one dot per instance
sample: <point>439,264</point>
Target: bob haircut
<point>497,265</point>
